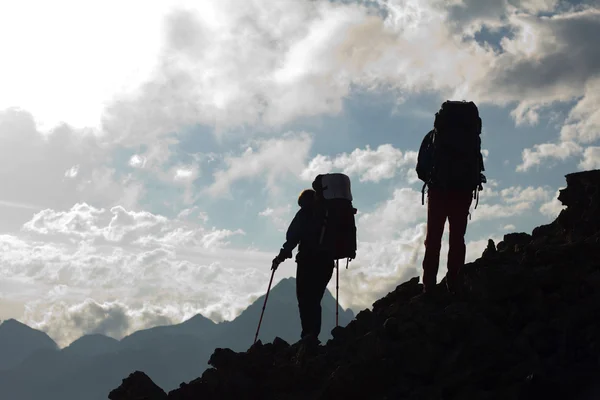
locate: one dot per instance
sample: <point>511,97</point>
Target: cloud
<point>60,167</point>
<point>119,225</point>
<point>114,271</point>
<point>553,207</point>
<point>273,159</point>
<point>137,161</point>
<point>404,209</point>
<point>72,172</point>
<point>279,216</point>
<point>227,65</point>
<point>529,194</point>
<point>513,201</point>
<point>379,267</point>
<point>583,122</point>
<point>548,59</point>
<point>269,64</point>
<point>542,152</point>
<point>591,158</point>
<point>369,165</point>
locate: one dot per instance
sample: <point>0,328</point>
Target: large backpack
<point>450,154</point>
<point>338,231</point>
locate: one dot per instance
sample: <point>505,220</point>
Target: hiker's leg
<point>303,283</point>
<point>307,287</point>
<point>458,214</point>
<point>325,271</point>
<point>436,219</point>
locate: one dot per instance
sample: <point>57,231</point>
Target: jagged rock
<point>526,325</point>
<point>490,250</point>
<point>138,386</point>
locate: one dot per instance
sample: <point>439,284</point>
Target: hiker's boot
<point>308,347</point>
<point>311,341</point>
<point>453,286</point>
<point>430,293</point>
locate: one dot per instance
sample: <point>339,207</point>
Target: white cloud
<point>137,161</point>
<point>496,211</point>
<point>547,60</point>
<point>529,194</point>
<point>404,209</point>
<point>270,63</point>
<point>186,173</point>
<point>188,212</point>
<point>274,159</point>
<point>553,207</point>
<point>509,227</point>
<point>591,158</point>
<point>280,216</point>
<point>45,160</point>
<point>583,122</point>
<point>369,165</point>
<point>225,64</point>
<point>115,271</point>
<point>513,201</point>
<point>542,152</point>
<point>380,266</point>
<point>72,172</point>
<point>119,225</point>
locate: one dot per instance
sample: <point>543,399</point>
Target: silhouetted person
<point>314,267</point>
<point>450,163</point>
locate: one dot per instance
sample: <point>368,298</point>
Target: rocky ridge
<point>526,324</point>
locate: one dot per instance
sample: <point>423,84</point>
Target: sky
<point>152,152</point>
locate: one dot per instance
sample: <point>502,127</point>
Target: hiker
<point>315,229</point>
<point>450,164</point>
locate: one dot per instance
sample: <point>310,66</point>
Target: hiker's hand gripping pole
<point>274,266</point>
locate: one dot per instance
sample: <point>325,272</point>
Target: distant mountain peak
<point>13,322</point>
<point>19,341</point>
<point>198,319</point>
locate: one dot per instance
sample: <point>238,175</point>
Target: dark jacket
<point>304,232</point>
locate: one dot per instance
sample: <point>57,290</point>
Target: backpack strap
<point>324,226</point>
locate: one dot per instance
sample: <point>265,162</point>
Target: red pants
<point>453,205</point>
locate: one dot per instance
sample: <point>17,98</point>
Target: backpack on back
<point>338,230</point>
<point>450,154</point>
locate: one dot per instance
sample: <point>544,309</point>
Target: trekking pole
<point>337,290</point>
<point>274,267</point>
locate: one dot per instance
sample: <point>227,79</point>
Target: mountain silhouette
<point>18,342</point>
<point>93,345</point>
<point>94,364</point>
<point>197,326</point>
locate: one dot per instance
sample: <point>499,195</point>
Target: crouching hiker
<point>450,164</point>
<point>322,229</point>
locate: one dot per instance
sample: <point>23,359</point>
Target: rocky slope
<point>526,324</point>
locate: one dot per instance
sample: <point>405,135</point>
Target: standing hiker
<point>450,164</point>
<point>324,231</point>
